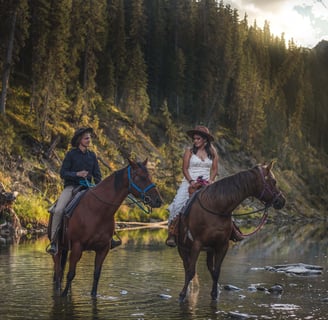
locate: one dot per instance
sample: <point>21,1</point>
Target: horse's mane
<point>230,188</point>
<point>118,178</point>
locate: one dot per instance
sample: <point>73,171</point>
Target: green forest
<point>140,72</point>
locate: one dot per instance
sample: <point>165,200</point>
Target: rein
<point>251,212</point>
<point>145,209</point>
<point>260,225</point>
<point>103,201</point>
<point>265,209</point>
<point>210,211</point>
<point>264,217</point>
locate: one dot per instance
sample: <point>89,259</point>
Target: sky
<point>304,21</point>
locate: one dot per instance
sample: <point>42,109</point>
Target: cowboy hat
<point>78,133</point>
<point>202,131</point>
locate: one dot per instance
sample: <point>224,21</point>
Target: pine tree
<point>135,100</point>
<point>113,62</point>
<point>49,36</point>
<point>13,32</point>
<point>87,41</point>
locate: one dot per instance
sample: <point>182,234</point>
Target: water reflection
<point>142,280</point>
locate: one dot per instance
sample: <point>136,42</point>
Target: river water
<point>142,280</point>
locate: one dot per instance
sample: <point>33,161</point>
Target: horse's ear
<point>132,163</point>
<point>145,162</point>
<point>270,165</point>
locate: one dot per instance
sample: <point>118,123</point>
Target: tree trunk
<point>7,65</point>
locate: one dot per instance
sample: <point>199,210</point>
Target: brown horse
<point>92,224</point>
<point>207,224</point>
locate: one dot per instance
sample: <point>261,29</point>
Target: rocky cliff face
<point>10,227</point>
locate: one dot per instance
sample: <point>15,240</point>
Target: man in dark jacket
<point>79,165</point>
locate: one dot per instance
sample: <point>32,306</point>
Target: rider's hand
<point>82,173</point>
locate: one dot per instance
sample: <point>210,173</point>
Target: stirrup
<point>52,248</point>
<point>115,243</point>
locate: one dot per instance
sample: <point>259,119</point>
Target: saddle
<point>74,202</point>
<point>77,194</point>
<point>199,183</point>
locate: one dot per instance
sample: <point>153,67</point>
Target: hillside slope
<point>32,166</point>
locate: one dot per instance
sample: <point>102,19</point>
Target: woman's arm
<point>214,168</point>
<point>185,165</point>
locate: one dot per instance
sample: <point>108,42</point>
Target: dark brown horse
<point>207,222</point>
<point>92,224</point>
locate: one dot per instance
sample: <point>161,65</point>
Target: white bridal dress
<point>197,167</point>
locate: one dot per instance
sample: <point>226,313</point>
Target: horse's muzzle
<point>154,202</point>
<point>279,202</point>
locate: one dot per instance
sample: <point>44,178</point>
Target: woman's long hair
<point>208,148</point>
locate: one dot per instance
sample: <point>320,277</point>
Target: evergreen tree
<point>13,32</point>
<point>135,100</point>
<point>87,42</point>
<point>113,63</point>
<point>155,50</point>
<point>49,33</point>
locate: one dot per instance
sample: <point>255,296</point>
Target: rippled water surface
<point>142,280</point>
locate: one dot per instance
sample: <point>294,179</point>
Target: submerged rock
<point>230,287</point>
<point>165,296</point>
<point>238,315</point>
<point>276,289</point>
<point>297,269</point>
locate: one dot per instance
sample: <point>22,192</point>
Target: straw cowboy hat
<point>202,131</point>
<point>78,133</point>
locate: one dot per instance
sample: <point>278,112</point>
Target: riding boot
<point>172,232</point>
<point>52,248</point>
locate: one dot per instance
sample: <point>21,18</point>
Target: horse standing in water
<point>207,224</point>
<point>92,224</point>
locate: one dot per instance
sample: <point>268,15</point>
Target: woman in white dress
<point>200,160</point>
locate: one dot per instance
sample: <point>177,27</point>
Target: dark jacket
<point>76,160</point>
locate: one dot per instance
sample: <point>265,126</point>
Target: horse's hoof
<point>182,298</point>
<point>64,293</point>
<point>214,296</point>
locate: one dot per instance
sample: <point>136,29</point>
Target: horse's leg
<point>58,270</point>
<point>189,263</point>
<point>99,259</point>
<point>214,262</point>
<point>63,260</point>
<point>75,256</point>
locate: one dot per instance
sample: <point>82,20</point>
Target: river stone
<point>276,289</point>
<point>238,315</point>
<point>297,269</point>
<point>230,287</point>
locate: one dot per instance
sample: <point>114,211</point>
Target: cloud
<point>306,22</point>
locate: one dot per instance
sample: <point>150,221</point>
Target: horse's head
<point>140,184</point>
<point>270,194</point>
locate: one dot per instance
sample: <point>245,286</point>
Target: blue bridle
<point>142,192</point>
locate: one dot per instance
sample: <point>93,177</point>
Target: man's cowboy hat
<point>78,133</point>
<point>202,131</point>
